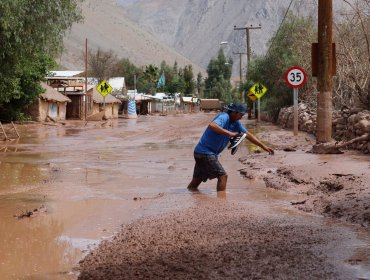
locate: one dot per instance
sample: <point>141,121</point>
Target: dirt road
<point>87,181</point>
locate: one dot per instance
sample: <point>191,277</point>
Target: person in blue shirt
<point>214,140</point>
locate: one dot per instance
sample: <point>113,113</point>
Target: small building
<point>109,104</point>
<point>51,104</point>
<point>118,86</point>
<point>73,88</point>
<point>189,103</point>
<point>143,103</point>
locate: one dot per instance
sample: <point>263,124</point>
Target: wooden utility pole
<point>86,99</point>
<point>324,72</point>
<point>240,73</point>
<point>247,28</point>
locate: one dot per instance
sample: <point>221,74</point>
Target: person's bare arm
<point>257,142</point>
<point>218,129</point>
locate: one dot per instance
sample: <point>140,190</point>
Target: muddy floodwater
<point>65,188</point>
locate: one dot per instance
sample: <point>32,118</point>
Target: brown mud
<point>336,186</point>
<point>115,196</point>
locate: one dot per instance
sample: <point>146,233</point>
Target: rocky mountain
<point>196,28</point>
<point>107,26</point>
<point>189,31</point>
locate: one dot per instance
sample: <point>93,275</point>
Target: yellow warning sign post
<point>258,90</point>
<point>104,88</point>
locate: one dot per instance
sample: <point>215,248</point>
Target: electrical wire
<point>281,23</point>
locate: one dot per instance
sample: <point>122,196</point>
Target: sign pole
<point>295,102</point>
<point>256,92</point>
<point>295,77</point>
<point>104,88</point>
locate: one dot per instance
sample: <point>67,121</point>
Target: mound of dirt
<point>199,244</point>
<point>333,185</point>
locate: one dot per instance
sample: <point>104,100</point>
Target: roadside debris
<point>298,202</point>
<point>151,197</point>
<point>28,214</point>
<point>334,147</point>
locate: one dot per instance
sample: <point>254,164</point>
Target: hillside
<point>187,31</point>
<point>106,26</point>
<point>196,28</point>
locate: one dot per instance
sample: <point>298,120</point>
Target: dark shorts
<point>207,167</point>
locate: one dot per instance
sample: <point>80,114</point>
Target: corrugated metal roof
<point>64,73</point>
<point>52,94</point>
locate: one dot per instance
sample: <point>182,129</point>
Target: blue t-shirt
<point>212,143</point>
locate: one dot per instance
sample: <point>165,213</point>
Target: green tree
<point>287,48</point>
<point>129,70</point>
<point>200,85</point>
<point>189,80</point>
<point>218,85</point>
<point>151,75</point>
<point>31,35</point>
<point>170,76</point>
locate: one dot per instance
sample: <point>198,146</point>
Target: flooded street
<point>82,182</point>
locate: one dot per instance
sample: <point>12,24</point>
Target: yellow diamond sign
<point>104,88</point>
<point>258,90</point>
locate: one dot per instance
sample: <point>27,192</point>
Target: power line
<point>277,32</point>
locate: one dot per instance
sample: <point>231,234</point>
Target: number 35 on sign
<point>295,77</point>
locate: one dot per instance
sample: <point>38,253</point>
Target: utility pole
<point>247,28</point>
<point>325,72</point>
<point>240,73</point>
<point>86,99</point>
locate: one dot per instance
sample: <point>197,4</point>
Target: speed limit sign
<point>295,77</point>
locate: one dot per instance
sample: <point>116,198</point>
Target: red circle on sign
<point>295,77</point>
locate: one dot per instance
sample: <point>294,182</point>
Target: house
<point>118,86</point>
<point>189,103</point>
<point>108,104</point>
<point>143,103</point>
<point>51,104</point>
<point>73,88</point>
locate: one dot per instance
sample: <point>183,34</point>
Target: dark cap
<point>237,106</point>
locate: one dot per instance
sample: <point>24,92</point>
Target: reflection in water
<point>72,131</point>
<point>15,176</point>
<point>29,247</point>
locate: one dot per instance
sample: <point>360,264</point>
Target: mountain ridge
<point>186,31</point>
<point>107,26</point>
